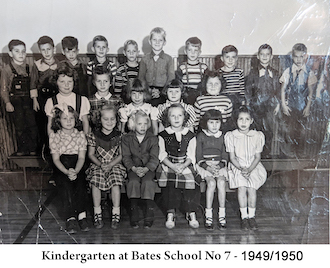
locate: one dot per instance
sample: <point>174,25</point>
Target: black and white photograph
<point>169,132</point>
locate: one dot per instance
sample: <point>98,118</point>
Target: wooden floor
<point>286,214</point>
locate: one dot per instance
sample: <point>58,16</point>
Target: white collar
<point>107,97</point>
<point>184,131</point>
<point>251,133</point>
<point>216,135</point>
<point>295,68</point>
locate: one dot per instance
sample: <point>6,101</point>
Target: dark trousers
<point>172,197</point>
<point>25,123</point>
<point>73,193</point>
<point>143,188</point>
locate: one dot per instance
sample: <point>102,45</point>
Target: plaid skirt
<point>186,180</point>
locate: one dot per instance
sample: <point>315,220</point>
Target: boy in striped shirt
<point>234,77</point>
<point>191,72</point>
<point>100,48</point>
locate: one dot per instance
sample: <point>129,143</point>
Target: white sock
<point>97,210</point>
<point>244,213</point>
<point>208,213</point>
<point>116,210</point>
<point>252,212</point>
<point>222,212</point>
<point>81,216</point>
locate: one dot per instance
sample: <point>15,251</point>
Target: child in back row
<point>71,51</point>
<point>139,96</point>
<point>176,173</point>
<point>233,76</point>
<point>175,93</point>
<point>105,171</point>
<point>102,82</point>
<point>15,92</point>
<point>192,71</point>
<point>140,157</point>
<point>156,68</point>
<point>128,71</point>
<point>212,158</point>
<point>100,47</point>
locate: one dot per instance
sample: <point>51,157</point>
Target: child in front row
<point>128,71</point>
<point>245,170</point>
<point>212,158</point>
<point>139,95</point>
<point>192,71</point>
<point>156,68</point>
<point>176,174</point>
<point>140,157</point>
<point>68,149</point>
<point>234,76</point>
<point>105,171</point>
<point>175,93</point>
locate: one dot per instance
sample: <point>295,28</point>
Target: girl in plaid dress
<point>105,171</point>
<point>176,173</point>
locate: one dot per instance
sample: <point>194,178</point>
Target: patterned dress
<point>107,148</point>
<point>245,146</point>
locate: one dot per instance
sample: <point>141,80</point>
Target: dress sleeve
<point>153,113</point>
<point>229,142</point>
<point>82,141</point>
<point>260,142</point>
<point>54,142</point>
<point>123,114</point>
<point>162,152</point>
<point>191,150</point>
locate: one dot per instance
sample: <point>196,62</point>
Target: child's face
<point>265,56</point>
<point>230,59</point>
<point>176,117</point>
<point>137,97</point>
<point>213,86</point>
<point>157,42</point>
<point>71,54</point>
<point>244,122</point>
<point>102,82</point>
<point>108,120</point>
<point>47,51</point>
<point>67,121</point>
<point>174,95</point>
<point>100,48</point>
<point>18,54</point>
<point>65,84</point>
<point>299,58</point>
<point>213,125</point>
<point>141,125</point>
<point>193,53</point>
<point>131,53</point>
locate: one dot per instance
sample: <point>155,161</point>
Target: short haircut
<point>56,124</point>
<point>229,48</point>
<point>62,69</point>
<point>211,114</point>
<point>99,38</point>
<point>211,74</point>
<point>157,30</point>
<point>194,41</point>
<point>96,116</point>
<point>101,69</point>
<point>138,86</point>
<point>69,42</point>
<point>130,42</point>
<point>131,123</point>
<point>175,83</point>
<point>45,40</point>
<point>265,46</point>
<point>15,42</point>
<point>299,47</point>
<point>165,117</point>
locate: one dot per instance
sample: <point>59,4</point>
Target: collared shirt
<point>156,73</point>
<point>40,74</point>
<point>126,111</point>
<point>262,71</point>
<point>96,101</point>
<point>301,72</point>
<point>7,78</point>
<point>140,154</point>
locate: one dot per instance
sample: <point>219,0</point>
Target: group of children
<point>143,125</point>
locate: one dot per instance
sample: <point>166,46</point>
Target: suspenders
<point>78,102</point>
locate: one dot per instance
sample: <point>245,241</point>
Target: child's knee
<point>211,183</point>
